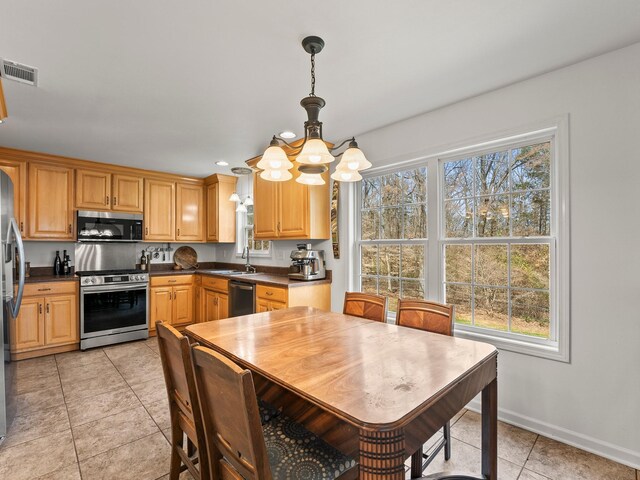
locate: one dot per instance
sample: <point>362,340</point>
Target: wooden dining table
<point>373,390</point>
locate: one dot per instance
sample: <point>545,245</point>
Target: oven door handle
<point>113,288</point>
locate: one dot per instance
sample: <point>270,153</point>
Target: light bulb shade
<point>315,152</point>
<point>354,159</point>
<point>274,158</point>
<point>241,208</point>
<point>342,175</point>
<point>276,175</point>
<point>248,201</point>
<point>234,197</point>
<point>310,179</point>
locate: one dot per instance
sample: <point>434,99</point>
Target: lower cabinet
<point>171,300</point>
<point>307,295</point>
<point>214,299</point>
<point>270,298</point>
<point>48,320</point>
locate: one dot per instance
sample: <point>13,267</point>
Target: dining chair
<point>365,305</point>
<point>436,318</point>
<point>237,445</point>
<point>184,409</point>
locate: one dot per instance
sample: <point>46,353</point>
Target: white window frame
<point>245,189</point>
<point>556,130</point>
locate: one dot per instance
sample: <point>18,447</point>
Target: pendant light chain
<point>313,73</point>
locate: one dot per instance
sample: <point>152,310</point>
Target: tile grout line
<point>64,399</point>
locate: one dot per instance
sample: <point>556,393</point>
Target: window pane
<point>369,260</point>
<point>491,309</point>
<point>493,216</point>
<point>390,288</point>
<point>491,265</point>
<point>531,214</point>
<point>457,263</point>
<point>369,285</point>
<point>389,260</point>
<point>531,167</point>
<point>458,178</point>
<point>413,289</point>
<point>414,185</point>
<point>492,173</point>
<point>370,225</point>
<point>412,261</point>
<point>459,218</point>
<point>530,312</point>
<point>460,296</point>
<point>371,192</point>
<point>392,189</point>
<point>530,266</point>
<point>415,221</point>
<point>391,222</point>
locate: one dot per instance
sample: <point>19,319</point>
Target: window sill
<point>549,350</point>
<point>255,254</point>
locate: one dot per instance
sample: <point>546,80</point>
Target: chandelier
<point>313,155</point>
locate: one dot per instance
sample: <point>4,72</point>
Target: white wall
<point>594,401</point>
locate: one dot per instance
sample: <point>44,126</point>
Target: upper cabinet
<point>99,190</point>
<point>159,210</point>
<point>190,213</point>
<point>221,213</point>
<point>290,210</point>
<point>17,172</point>
<point>50,202</point>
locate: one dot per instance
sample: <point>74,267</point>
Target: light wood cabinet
<point>270,298</point>
<point>290,210</point>
<point>214,299</point>
<point>50,202</point>
<point>127,193</point>
<point>190,213</point>
<point>171,301</point>
<point>100,190</point>
<point>159,210</point>
<point>48,320</point>
<point>17,172</point>
<point>221,213</point>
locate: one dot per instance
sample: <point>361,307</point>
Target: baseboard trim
<point>575,439</point>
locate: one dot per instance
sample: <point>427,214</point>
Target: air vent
<point>19,72</point>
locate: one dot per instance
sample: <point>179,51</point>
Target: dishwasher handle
<point>242,286</point>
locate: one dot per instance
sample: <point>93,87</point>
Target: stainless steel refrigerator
<point>11,241</point>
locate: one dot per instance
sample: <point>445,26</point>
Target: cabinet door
<point>190,212</point>
<point>223,306</point>
<point>212,212</point>
<point>159,210</point>
<point>210,305</point>
<point>293,209</point>
<point>27,331</point>
<point>17,172</point>
<point>60,320</point>
<point>277,306</point>
<point>128,193</point>
<point>265,208</point>
<point>161,306</point>
<point>93,190</point>
<point>262,305</point>
<point>50,202</point>
<point>182,305</point>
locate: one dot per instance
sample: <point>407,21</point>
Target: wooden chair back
<point>230,416</point>
<point>365,305</point>
<point>425,315</point>
<point>175,353</point>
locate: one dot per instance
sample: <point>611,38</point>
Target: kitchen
<point>150,180</point>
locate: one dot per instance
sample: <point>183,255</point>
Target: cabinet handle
<point>175,295</point>
<point>44,289</point>
<point>70,228</point>
<point>48,307</point>
<point>21,227</point>
<point>172,281</point>
<point>146,230</point>
<point>115,201</point>
<point>269,293</point>
<point>278,228</point>
<point>107,199</point>
<point>178,232</point>
<point>40,305</point>
<point>216,301</point>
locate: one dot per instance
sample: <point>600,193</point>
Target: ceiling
<point>177,86</point>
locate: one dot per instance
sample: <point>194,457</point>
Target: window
<point>244,223</point>
<point>479,228</point>
<point>260,247</point>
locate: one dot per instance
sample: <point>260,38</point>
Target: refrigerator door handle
<point>15,303</point>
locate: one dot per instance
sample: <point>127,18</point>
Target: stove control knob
<point>135,277</point>
<point>94,280</point>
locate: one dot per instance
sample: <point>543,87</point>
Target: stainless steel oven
<point>114,307</point>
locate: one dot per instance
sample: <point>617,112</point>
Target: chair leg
<point>416,464</point>
<point>447,441</point>
<point>176,461</point>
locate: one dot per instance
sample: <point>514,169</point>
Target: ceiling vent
<point>19,72</point>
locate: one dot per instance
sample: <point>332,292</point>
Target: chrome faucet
<point>247,266</point>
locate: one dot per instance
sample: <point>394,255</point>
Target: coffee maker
<point>307,264</point>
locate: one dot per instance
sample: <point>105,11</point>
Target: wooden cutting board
<point>186,257</point>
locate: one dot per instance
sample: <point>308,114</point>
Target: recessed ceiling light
<point>222,163</point>
<point>287,134</point>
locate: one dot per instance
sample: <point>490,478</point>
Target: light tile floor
<point>103,414</point>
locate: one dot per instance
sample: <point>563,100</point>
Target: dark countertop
<point>50,278</point>
<point>270,279</point>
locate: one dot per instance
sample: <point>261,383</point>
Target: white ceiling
<point>176,86</point>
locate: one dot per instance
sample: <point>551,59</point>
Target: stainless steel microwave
<point>109,226</point>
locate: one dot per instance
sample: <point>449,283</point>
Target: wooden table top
<point>370,374</point>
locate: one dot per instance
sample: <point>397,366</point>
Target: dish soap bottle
<point>65,263</point>
<point>57,264</point>
<point>143,262</point>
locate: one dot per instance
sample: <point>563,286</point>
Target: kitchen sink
<point>242,273</point>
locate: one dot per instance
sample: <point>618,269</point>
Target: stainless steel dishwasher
<point>242,298</point>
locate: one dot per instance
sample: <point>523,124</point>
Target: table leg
<point>490,431</point>
<point>381,455</point>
